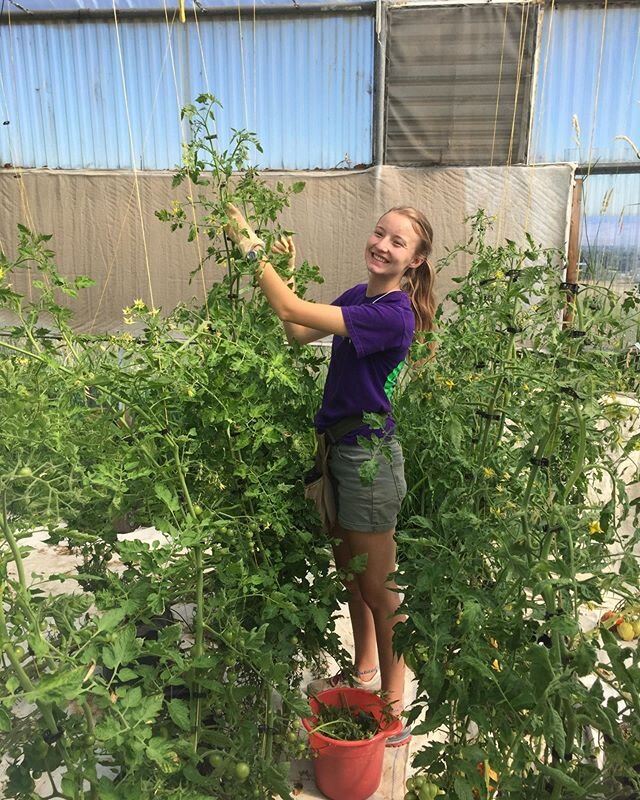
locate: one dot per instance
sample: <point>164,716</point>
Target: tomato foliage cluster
<point>173,669</point>
<point>522,445</point>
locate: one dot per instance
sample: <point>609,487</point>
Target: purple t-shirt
<point>364,366</point>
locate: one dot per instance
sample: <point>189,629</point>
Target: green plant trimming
<point>345,722</point>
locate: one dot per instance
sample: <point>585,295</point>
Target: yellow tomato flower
<point>495,664</point>
<point>498,274</point>
<point>128,320</point>
<point>488,472</point>
<point>449,383</point>
<point>594,527</point>
<point>139,305</point>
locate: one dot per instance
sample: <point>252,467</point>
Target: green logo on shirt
<point>392,379</point>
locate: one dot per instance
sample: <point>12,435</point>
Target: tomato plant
<point>165,668</point>
<point>517,435</point>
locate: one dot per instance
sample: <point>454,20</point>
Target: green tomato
<point>25,472</point>
<point>217,761</point>
<point>428,792</point>
<point>242,770</point>
<point>19,652</point>
<point>197,510</point>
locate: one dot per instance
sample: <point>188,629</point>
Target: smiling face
<point>391,250</point>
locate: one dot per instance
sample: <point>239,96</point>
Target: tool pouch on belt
<point>317,482</point>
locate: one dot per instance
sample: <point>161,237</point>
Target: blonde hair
<point>419,282</point>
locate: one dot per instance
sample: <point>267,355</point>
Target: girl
<point>373,325</point>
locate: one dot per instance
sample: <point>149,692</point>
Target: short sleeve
<point>378,326</point>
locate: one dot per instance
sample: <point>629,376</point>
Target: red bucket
<point>349,770</point>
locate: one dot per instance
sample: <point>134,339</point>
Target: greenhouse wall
<point>104,225</point>
<point>94,95</point>
<point>81,93</point>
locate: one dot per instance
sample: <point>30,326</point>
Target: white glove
<point>240,232</point>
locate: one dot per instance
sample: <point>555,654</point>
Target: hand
<point>285,246</point>
<point>240,232</point>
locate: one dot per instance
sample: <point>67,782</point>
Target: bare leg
<point>362,623</point>
<point>376,591</point>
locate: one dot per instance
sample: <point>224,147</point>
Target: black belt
<point>342,428</point>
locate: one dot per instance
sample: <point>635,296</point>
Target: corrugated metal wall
<point>588,85</point>
<point>305,85</point>
<point>587,98</point>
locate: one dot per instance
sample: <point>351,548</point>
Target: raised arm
<point>303,321</point>
<point>295,333</point>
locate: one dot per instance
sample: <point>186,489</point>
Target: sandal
<point>344,679</point>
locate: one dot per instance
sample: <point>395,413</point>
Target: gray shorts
<point>367,507</point>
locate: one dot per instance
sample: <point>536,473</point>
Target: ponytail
<point>419,282</point>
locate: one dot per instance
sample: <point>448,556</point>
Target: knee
<point>380,598</point>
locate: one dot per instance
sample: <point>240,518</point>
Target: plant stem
<point>198,648</point>
<point>21,675</point>
<point>487,422</point>
<point>267,742</point>
<point>578,467</point>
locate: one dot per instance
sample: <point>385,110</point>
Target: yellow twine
<point>179,104</point>
<point>133,155</point>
